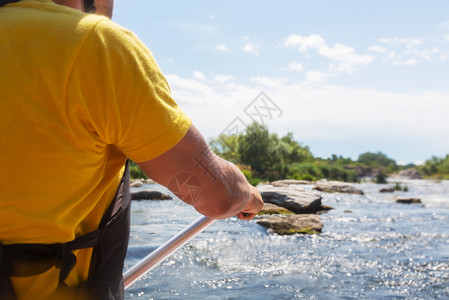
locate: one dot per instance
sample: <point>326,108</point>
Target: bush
<point>381,178</point>
<point>309,169</point>
<point>378,159</point>
<point>308,177</point>
<point>249,176</point>
<point>135,172</point>
<point>436,167</point>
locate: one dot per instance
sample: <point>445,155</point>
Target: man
<point>79,96</point>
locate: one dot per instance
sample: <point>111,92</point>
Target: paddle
<point>161,253</point>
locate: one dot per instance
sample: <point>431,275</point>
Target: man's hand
<point>255,204</point>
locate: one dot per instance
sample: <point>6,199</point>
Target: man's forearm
<point>215,187</point>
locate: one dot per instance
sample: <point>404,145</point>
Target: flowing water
<point>370,248</point>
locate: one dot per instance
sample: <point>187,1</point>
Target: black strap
<point>31,259</point>
<point>106,268</point>
<point>4,2</point>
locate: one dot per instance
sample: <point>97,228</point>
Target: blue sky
<point>346,76</point>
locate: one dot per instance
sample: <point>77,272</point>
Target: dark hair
<point>89,6</point>
<point>4,2</point>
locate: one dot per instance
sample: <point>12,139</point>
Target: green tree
<point>135,172</point>
<point>295,152</point>
<point>256,148</point>
<point>378,159</point>
<point>226,146</point>
<point>266,156</point>
<point>436,167</point>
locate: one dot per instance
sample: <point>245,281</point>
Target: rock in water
<point>336,187</point>
<point>273,209</point>
<point>149,195</point>
<point>409,174</point>
<point>149,181</point>
<point>287,182</point>
<point>409,200</point>
<point>295,200</point>
<point>387,190</point>
<point>325,208</point>
<point>292,224</point>
<point>136,183</point>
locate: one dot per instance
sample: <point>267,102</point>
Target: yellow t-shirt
<point>78,94</point>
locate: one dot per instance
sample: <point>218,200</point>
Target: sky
<point>345,77</point>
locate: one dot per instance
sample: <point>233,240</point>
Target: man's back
<point>78,94</point>
<point>49,153</point>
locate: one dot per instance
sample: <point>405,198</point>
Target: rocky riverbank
<point>288,209</point>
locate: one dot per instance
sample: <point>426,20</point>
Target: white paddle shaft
<point>165,250</point>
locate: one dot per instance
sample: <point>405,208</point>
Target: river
<point>370,248</point>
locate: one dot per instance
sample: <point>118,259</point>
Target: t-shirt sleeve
<point>122,96</point>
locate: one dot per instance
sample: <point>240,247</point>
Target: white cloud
<point>447,37</point>
<point>407,42</point>
<point>378,49</point>
<point>317,77</point>
<point>408,62</point>
<point>313,41</point>
<point>412,56</point>
<point>425,54</point>
<point>189,90</point>
<point>198,75</point>
<point>268,82</point>
<point>341,117</point>
<point>442,57</point>
<point>406,53</point>
<point>223,78</point>
<point>340,53</point>
<point>341,68</point>
<point>251,48</point>
<point>345,54</point>
<point>444,25</point>
<point>294,66</point>
<point>222,48</point>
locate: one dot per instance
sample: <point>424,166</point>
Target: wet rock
<point>287,182</point>
<point>387,190</point>
<point>336,187</point>
<point>365,171</point>
<point>409,200</point>
<point>136,183</point>
<point>408,174</point>
<point>291,224</point>
<point>141,182</point>
<point>295,200</point>
<point>149,195</point>
<point>324,208</point>
<point>273,209</point>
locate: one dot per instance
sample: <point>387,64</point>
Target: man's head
<point>99,7</point>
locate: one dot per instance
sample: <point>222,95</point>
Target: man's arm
<point>215,187</point>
